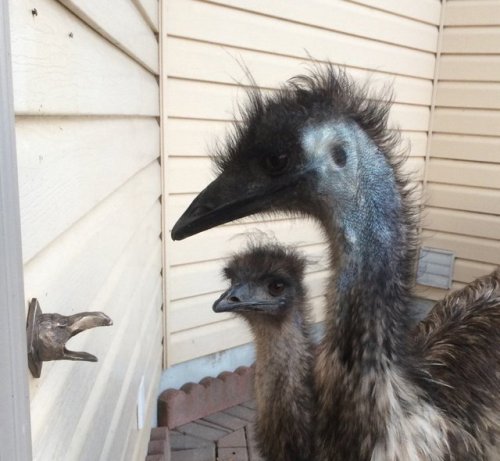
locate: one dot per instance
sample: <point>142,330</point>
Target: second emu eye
<point>276,164</point>
<point>275,287</point>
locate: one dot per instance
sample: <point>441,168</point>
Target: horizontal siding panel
<point>197,138</point>
<point>79,260</point>
<point>207,339</point>
<point>119,297</point>
<point>427,11</point>
<point>468,271</point>
<point>473,13</point>
<point>150,11</point>
<point>471,95</point>
<point>469,68</point>
<point>471,40</point>
<point>188,59</point>
<point>435,294</point>
<point>467,121</point>
<point>464,173</point>
<point>68,165</point>
<point>473,248</point>
<point>463,198</point>
<point>414,167</point>
<point>346,18</point>
<point>415,141</point>
<point>460,147</point>
<point>224,26</point>
<point>189,175</point>
<point>200,100</point>
<point>61,66</point>
<point>220,241</point>
<point>184,137</point>
<point>462,222</point>
<point>195,312</point>
<point>127,30</point>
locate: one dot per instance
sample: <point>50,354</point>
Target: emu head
<point>318,147</point>
<point>266,282</point>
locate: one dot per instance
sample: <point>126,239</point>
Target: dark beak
<point>239,299</point>
<point>226,199</point>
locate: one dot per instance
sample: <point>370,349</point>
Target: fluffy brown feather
<point>284,363</point>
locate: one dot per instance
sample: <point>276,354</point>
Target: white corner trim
<point>15,435</point>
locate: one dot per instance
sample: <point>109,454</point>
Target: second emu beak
<point>239,298</point>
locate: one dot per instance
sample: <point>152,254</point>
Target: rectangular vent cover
<point>435,268</point>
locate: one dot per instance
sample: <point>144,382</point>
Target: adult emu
<point>320,147</point>
<point>267,290</point>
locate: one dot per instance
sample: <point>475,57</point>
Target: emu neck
<point>281,346</point>
<point>284,374</point>
<point>370,253</point>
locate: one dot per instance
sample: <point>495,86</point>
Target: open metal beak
<point>81,322</point>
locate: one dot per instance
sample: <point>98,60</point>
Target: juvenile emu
<point>321,147</point>
<point>267,290</point>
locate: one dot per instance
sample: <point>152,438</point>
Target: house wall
<point>205,44</point>
<point>86,98</point>
<point>463,176</point>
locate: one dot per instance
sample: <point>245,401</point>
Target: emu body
<point>267,290</point>
<point>321,148</point>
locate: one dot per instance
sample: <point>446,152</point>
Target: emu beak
<point>222,201</point>
<point>239,298</point>
<point>225,199</point>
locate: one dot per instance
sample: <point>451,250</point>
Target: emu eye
<point>339,156</point>
<point>276,164</point>
<point>275,287</point>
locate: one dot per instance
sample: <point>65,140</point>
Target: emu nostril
<point>234,299</point>
<point>202,209</point>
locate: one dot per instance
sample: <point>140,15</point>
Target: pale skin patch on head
<point>317,141</point>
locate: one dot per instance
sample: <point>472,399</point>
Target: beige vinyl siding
<point>86,98</point>
<point>206,42</point>
<point>463,177</point>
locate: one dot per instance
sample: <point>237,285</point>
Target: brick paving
<point>227,435</point>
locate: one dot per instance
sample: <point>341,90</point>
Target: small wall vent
<point>435,268</point>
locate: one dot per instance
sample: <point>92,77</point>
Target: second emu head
<point>266,283</point>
